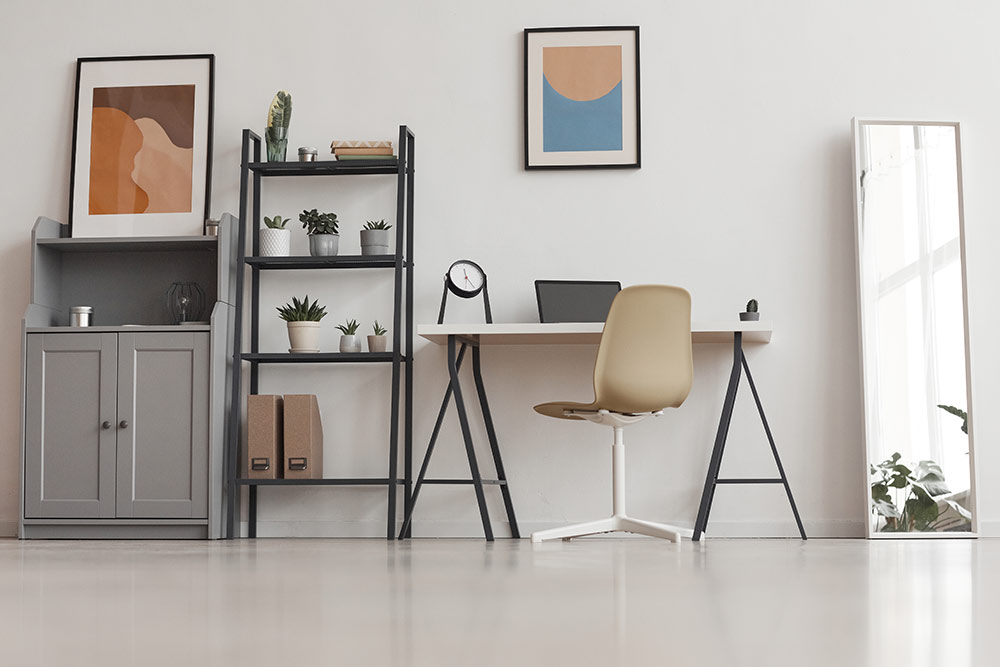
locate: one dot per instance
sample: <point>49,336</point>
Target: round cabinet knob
<point>106,425</point>
<point>123,424</point>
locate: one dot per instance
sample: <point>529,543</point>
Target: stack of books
<point>354,149</point>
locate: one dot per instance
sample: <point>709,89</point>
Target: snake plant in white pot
<point>275,237</point>
<point>302,319</point>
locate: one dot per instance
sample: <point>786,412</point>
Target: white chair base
<point>613,524</point>
<point>619,522</point>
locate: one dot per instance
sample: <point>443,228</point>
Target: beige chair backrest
<point>644,361</point>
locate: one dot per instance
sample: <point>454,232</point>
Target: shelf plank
<point>344,481</point>
<point>131,243</point>
<point>326,168</point>
<point>318,357</point>
<point>335,262</point>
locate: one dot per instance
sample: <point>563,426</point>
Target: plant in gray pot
<point>302,319</point>
<point>751,314</point>
<point>377,342</point>
<point>350,341</point>
<point>375,238</point>
<point>323,231</point>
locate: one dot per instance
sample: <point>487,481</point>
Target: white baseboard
<point>501,529</point>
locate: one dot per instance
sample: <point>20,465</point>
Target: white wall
<point>744,192</point>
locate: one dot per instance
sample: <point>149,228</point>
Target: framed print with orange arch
<point>142,146</point>
<point>581,98</point>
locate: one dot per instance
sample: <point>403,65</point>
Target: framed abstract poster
<point>142,146</point>
<point>581,98</point>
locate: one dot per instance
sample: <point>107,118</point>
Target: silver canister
<point>81,316</point>
<point>211,227</point>
<point>307,154</point>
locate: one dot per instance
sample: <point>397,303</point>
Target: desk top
<point>581,333</point>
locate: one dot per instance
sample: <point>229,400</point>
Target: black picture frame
<point>637,163</point>
<point>210,137</point>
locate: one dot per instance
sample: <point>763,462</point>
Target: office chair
<point>643,366</point>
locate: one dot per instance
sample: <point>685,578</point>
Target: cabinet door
<point>69,455</point>
<point>163,425</point>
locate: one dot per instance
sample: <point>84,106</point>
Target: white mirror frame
<point>856,124</point>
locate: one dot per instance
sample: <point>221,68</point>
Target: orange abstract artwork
<point>142,150</point>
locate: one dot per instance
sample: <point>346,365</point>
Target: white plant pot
<point>275,242</point>
<point>376,343</point>
<point>350,343</point>
<point>303,336</point>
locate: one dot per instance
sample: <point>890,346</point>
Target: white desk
<point>458,337</point>
<point>575,333</point>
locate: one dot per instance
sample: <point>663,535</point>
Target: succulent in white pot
<point>302,318</point>
<point>275,237</point>
<point>350,341</point>
<point>376,342</point>
<point>375,238</point>
<point>323,231</point>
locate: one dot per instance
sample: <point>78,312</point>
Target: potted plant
<point>279,115</point>
<point>376,343</point>
<point>349,342</point>
<point>323,231</point>
<point>375,238</point>
<point>751,314</point>
<point>303,319</point>
<point>275,237</point>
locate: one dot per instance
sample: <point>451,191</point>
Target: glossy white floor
<point>463,602</point>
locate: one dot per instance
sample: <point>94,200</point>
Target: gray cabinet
<point>117,425</point>
<point>70,432</point>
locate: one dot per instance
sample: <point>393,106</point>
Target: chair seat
<point>558,409</point>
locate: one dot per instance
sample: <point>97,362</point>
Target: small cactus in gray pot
<point>751,314</point>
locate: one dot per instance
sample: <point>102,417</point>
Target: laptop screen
<point>575,300</point>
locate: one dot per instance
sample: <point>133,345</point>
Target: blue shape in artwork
<point>570,125</point>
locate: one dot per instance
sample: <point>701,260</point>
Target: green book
<point>366,157</point>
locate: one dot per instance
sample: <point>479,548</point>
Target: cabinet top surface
<point>127,328</point>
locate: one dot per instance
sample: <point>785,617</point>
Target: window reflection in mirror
<point>913,327</point>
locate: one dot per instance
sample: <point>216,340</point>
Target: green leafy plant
<point>277,222</point>
<point>315,222</point>
<point>896,486</point>
<point>371,224</point>
<point>349,328</point>
<point>279,115</point>
<point>379,330</point>
<point>960,413</point>
<point>302,311</point>
<point>752,306</point>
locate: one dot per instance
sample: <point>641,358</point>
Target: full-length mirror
<point>914,342</point>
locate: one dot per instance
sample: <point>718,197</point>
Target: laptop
<point>575,300</point>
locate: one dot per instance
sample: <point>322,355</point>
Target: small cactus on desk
<point>750,314</point>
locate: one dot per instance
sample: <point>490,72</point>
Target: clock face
<point>466,278</point>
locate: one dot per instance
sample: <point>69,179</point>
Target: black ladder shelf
<point>252,170</point>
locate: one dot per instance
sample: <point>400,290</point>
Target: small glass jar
<point>81,316</point>
<point>307,154</point>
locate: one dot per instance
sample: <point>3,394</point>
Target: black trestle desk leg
<point>430,448</point>
<point>463,420</point>
<point>774,450</point>
<point>477,373</point>
<point>708,493</point>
